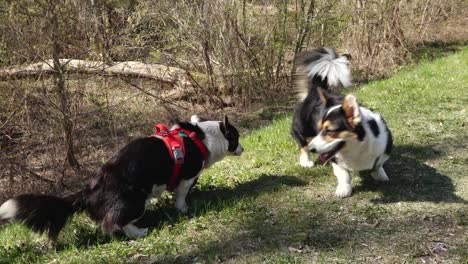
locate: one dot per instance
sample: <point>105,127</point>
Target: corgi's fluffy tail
<point>323,68</point>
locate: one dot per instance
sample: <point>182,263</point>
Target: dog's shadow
<point>212,198</point>
<point>201,200</point>
<point>411,179</point>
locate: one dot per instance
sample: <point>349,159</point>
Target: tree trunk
<point>59,84</point>
<point>305,25</point>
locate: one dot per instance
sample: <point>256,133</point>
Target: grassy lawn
<point>264,208</point>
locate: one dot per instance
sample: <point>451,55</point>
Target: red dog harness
<point>174,140</point>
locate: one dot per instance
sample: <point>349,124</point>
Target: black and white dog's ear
<point>197,119</point>
<point>223,125</point>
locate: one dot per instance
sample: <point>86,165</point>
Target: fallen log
<point>167,74</point>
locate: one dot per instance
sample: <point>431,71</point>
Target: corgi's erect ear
<point>323,96</point>
<point>351,109</point>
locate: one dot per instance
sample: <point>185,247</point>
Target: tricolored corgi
<point>351,137</point>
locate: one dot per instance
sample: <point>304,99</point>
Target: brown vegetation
<point>222,55</point>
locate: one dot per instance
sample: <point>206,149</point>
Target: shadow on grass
<point>428,51</point>
<point>85,236</point>
<point>411,180</point>
<point>215,199</point>
<point>200,201</point>
<point>312,229</point>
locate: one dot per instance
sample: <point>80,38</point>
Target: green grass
<point>263,208</point>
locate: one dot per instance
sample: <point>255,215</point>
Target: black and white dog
<point>117,195</point>
<point>352,137</point>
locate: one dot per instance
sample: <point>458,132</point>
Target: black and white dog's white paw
<point>183,208</point>
<point>343,190</point>
<point>134,232</point>
<point>380,175</point>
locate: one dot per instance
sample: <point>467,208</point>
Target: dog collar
<point>174,141</point>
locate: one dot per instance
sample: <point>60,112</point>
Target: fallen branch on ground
<point>171,75</point>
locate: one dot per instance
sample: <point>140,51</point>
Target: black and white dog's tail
<point>321,67</point>
<point>42,213</point>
